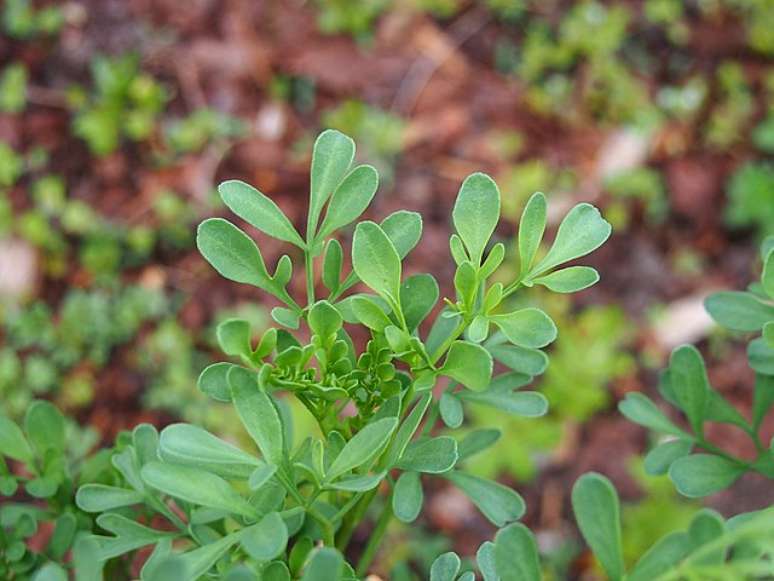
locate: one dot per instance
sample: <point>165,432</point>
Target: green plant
<point>55,456</point>
<point>21,20</point>
<point>751,197</point>
<point>292,511</point>
<point>350,16</point>
<point>13,88</point>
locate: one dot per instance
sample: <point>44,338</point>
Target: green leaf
<point>369,313</point>
<point>476,213</point>
<point>493,260</point>
<point>285,317</point>
<point>641,410</point>
<point>763,398</point>
<point>12,441</point>
<point>275,571</point>
<point>529,327</point>
<point>660,458</point>
<point>478,330</point>
<point>569,280</point>
<point>450,407</point>
<point>516,554</point>
<point>582,231</point>
<point>360,483</point>
<point>349,201</point>
<point>129,535</point>
<point>100,497</point>
<point>457,249</point>
<point>485,559</point>
<point>738,311</point>
<point>261,476</point>
<point>768,334</point>
<point>259,211</point>
<point>466,284</point>
<point>498,503</point>
<point>418,295</point>
<point>363,446</point>
<point>596,507</point>
<point>529,361</point>
<point>331,157</point>
<point>431,455</point>
<point>258,413</point>
<point>761,356</point>
<point>65,528</point>
<point>194,446</point>
<point>700,475</point>
<point>334,258</point>
<point>470,364</point>
<point>267,539</point>
<point>477,441</point>
<point>707,526</point>
<point>234,337</point>
<point>376,261</point>
<point>688,378</point>
<point>445,567</point>
<point>404,229</point>
<point>324,320</point>
<point>45,427</point>
<point>528,404</point>
<point>767,276</point>
<point>325,565</point>
<point>85,558</point>
<point>50,572</point>
<point>195,486</point>
<point>531,228</point>
<point>199,561</point>
<point>406,432</point>
<point>407,498</point>
<point>661,557</point>
<point>232,253</point>
<point>212,381</point>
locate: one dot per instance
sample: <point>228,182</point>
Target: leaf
<point>275,571</point>
<point>660,458</point>
<point>767,276</point>
<point>50,572</point>
<point>324,320</point>
<point>641,410</point>
<point>582,231</point>
<point>407,498</point>
<point>232,253</point>
<point>485,559</point>
<point>331,157</point>
<point>445,567</point>
<point>738,311</point>
<point>418,295</point>
<point>258,413</point>
<point>259,211</point>
<point>100,497</point>
<point>596,507</point>
<point>476,213</point>
<point>334,257</point>
<point>349,201</point>
<point>466,284</point>
<point>470,364</point>
<point>261,476</point>
<point>65,528</point>
<point>195,486</point>
<point>12,441</point>
<point>761,356</point>
<point>85,557</point>
<point>498,503</point>
<point>529,327</point>
<point>516,554</point>
<point>212,381</point>
<point>45,427</point>
<point>326,564</point>
<point>194,446</point>
<point>267,539</point>
<point>129,535</point>
<point>450,407</point>
<point>406,432</point>
<point>688,378</point>
<point>661,557</point>
<point>431,455</point>
<point>360,483</point>
<point>529,361</point>
<point>404,229</point>
<point>493,260</point>
<point>363,446</point>
<point>234,336</point>
<point>477,441</point>
<point>478,330</point>
<point>763,398</point>
<point>707,526</point>
<point>700,475</point>
<point>531,228</point>
<point>198,561</point>
<point>376,261</point>
<point>569,280</point>
<point>528,404</point>
<point>285,317</point>
<point>369,313</point>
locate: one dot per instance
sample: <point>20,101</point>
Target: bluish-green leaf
<point>213,382</point>
<point>101,497</point>
<point>597,511</point>
<point>531,228</point>
<point>521,359</point>
<point>234,336</point>
<point>407,498</point>
<point>688,378</point>
<point>485,559</point>
<point>476,213</point>
<point>739,311</point>
<point>406,431</point>
<point>529,327</point>
<point>516,554</point>
<point>232,253</point>
<point>376,261</point>
<point>660,458</point>
<point>368,312</point>
<point>363,446</point>
<point>470,364</point>
<point>258,413</point>
<point>431,455</point>
<point>661,557</point>
<point>332,263</point>
<point>445,567</point>
<point>331,157</point>
<point>44,426</point>
<point>12,441</point>
<point>767,276</point>
<point>569,280</point>
<point>498,503</point>
<point>351,198</point>
<point>404,229</point>
<point>700,475</point>
<point>418,295</point>
<point>450,407</point>
<point>266,539</point>
<point>641,410</point>
<point>326,564</point>
<point>259,211</point>
<point>582,231</point>
<point>324,320</point>
<point>528,404</point>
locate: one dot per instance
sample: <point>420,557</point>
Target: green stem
<point>309,266</point>
<point>375,540</point>
<point>353,519</point>
<point>443,347</point>
<point>325,524</point>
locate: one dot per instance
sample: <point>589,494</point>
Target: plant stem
<point>352,519</point>
<point>309,265</point>
<point>375,540</point>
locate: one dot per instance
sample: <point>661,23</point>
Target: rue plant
<point>290,511</point>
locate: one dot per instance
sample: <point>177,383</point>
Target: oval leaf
<point>476,213</point>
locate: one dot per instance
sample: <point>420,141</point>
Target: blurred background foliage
<point>118,118</point>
